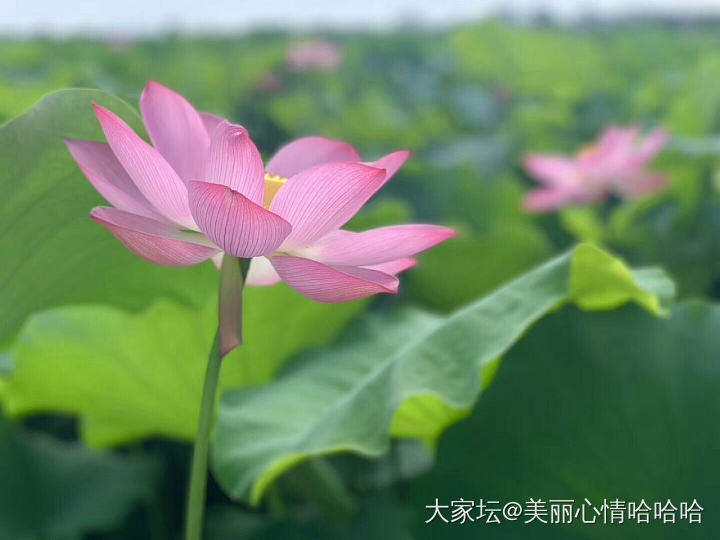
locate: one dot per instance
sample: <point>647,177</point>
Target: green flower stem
<point>198,471</point>
<point>318,481</point>
<point>331,487</point>
<point>227,337</point>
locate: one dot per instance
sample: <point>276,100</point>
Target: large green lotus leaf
<point>614,405</point>
<point>51,253</point>
<point>131,375</point>
<point>410,375</point>
<point>52,490</point>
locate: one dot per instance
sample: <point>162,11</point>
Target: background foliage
<point>102,349</point>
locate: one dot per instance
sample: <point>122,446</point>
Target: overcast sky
<point>151,16</point>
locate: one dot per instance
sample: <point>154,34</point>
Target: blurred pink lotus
<point>119,42</point>
<point>202,191</point>
<point>614,164</point>
<point>313,54</point>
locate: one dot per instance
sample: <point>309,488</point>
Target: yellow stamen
<point>273,182</point>
<point>589,150</point>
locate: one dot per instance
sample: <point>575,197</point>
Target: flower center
<point>589,151</point>
<point>273,182</point>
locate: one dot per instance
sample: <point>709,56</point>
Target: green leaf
<point>52,254</point>
<point>583,222</point>
<point>599,281</point>
<point>406,376</point>
<point>597,405</point>
<point>133,375</point>
<point>59,491</point>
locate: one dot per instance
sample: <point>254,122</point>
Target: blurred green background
<point>602,405</point>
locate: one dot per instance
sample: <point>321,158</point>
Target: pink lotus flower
<point>614,164</point>
<point>313,54</point>
<point>201,190</point>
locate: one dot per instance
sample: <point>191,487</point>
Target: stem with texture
<point>228,336</point>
